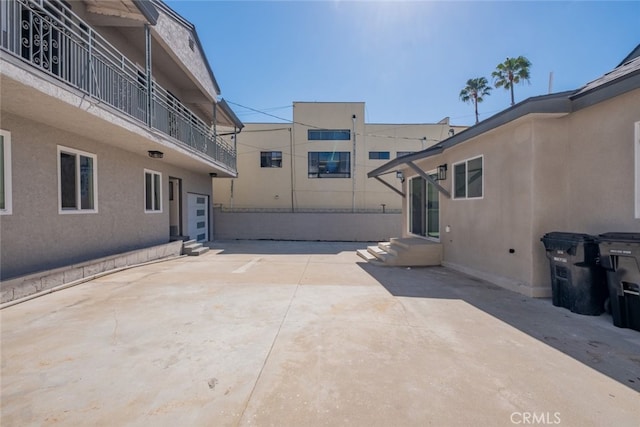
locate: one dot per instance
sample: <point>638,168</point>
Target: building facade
<point>110,132</point>
<point>319,162</point>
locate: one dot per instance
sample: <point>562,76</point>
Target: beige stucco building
<point>110,132</point>
<point>319,162</point>
<point>562,162</point>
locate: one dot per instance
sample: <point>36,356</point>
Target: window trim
<point>466,179</point>
<point>144,182</point>
<point>8,195</point>
<point>67,211</point>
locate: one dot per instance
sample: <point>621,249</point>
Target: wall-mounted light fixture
<point>442,172</point>
<point>451,132</point>
<point>156,154</point>
<point>400,175</point>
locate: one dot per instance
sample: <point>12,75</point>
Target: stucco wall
<point>36,237</point>
<point>306,226</point>
<point>584,173</point>
<point>483,231</point>
<point>175,37</point>
<point>542,173</point>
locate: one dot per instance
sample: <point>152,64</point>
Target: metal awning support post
<point>390,186</point>
<point>424,175</point>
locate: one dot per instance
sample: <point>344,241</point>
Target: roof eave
<point>558,103</point>
<point>230,114</point>
<point>148,10</point>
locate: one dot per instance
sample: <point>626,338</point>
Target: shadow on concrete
<point>283,247</point>
<point>591,340</point>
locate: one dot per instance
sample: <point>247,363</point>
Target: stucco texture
<point>36,236</point>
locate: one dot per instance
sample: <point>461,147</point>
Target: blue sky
<point>407,60</point>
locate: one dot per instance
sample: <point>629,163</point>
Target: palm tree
<point>474,92</point>
<point>511,71</point>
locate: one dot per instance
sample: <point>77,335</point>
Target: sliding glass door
<point>424,208</point>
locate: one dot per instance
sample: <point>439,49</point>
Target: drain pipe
<point>353,177</point>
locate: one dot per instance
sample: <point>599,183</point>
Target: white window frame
<point>637,171</point>
<point>144,182</point>
<point>466,179</point>
<point>77,153</point>
<point>8,206</point>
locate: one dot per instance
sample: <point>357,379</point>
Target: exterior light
<point>442,172</point>
<point>213,174</point>
<point>451,132</point>
<point>400,175</point>
<point>156,154</point>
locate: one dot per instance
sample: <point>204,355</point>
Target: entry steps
<point>404,252</point>
<point>193,248</point>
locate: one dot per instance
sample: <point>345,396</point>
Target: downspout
<point>292,174</point>
<point>353,178</point>
<point>147,64</point>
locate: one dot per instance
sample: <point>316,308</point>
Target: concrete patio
<point>307,334</point>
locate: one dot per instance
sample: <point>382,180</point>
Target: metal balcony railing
<point>52,38</point>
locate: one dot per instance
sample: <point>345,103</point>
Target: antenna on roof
<point>550,81</point>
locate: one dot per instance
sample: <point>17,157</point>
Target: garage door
<point>198,216</point>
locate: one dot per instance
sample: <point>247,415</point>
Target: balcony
<point>50,37</point>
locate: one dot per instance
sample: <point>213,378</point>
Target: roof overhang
<point>226,117</point>
<point>556,104</point>
<point>125,13</point>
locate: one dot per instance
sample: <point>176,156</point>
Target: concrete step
<point>192,248</point>
<point>376,251</point>
<point>197,252</point>
<point>404,252</point>
<point>364,254</point>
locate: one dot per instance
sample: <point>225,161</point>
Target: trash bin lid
<point>620,237</point>
<point>565,241</point>
<point>573,237</point>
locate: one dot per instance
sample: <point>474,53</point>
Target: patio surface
<point>306,334</point>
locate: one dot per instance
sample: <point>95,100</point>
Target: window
<point>77,181</point>
<point>379,155</point>
<point>330,164</point>
<point>467,179</point>
<point>403,153</point>
<point>271,159</point>
<point>329,134</point>
<point>5,172</point>
<point>152,191</point>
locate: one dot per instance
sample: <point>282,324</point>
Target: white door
<point>198,216</point>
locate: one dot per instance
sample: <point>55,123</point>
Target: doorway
<point>175,207</point>
<point>424,208</point>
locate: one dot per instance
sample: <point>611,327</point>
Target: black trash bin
<point>620,256</point>
<point>578,282</point>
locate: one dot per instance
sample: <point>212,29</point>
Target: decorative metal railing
<point>51,37</point>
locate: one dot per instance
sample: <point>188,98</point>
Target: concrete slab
<point>297,333</point>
